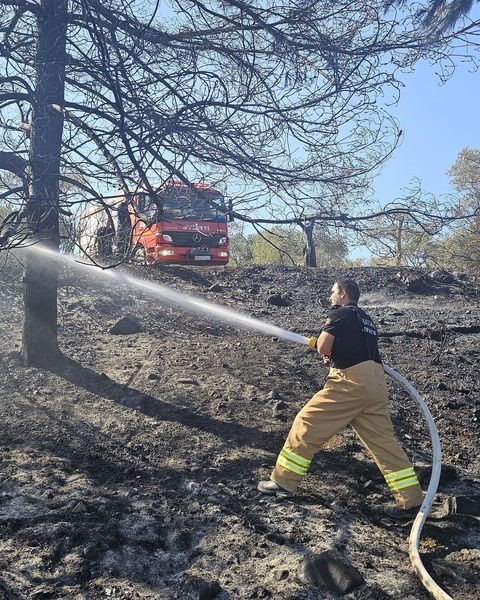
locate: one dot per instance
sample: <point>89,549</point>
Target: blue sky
<point>437,121</point>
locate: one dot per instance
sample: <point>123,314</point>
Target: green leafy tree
<point>240,247</point>
<point>460,248</point>
<point>279,246</point>
<point>398,241</point>
<point>286,246</point>
<point>465,177</point>
<point>396,237</point>
<point>331,247</point>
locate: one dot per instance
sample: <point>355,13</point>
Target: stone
<point>276,538</point>
<point>414,282</point>
<point>280,574</point>
<point>329,570</point>
<point>91,551</point>
<point>194,507</point>
<point>73,305</point>
<point>278,300</point>
<point>192,487</point>
<point>153,377</point>
<point>126,326</point>
<point>197,587</point>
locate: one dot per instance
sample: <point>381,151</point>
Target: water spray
<point>177,299</point>
<point>222,313</point>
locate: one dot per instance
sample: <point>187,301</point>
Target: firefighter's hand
<point>326,359</point>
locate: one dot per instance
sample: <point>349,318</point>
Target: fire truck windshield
<point>194,207</point>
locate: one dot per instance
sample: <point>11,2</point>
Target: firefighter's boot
<point>273,489</point>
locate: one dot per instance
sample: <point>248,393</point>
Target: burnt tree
<point>310,254</point>
<point>40,345</point>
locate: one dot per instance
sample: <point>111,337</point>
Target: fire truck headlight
<point>166,237</point>
<point>222,240</point>
<point>166,252</point>
<point>223,254</point>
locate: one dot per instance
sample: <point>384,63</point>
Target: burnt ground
<point>130,471</point>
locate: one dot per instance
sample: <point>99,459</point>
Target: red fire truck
<point>179,224</point>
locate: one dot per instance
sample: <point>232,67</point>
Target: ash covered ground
<point>130,471</point>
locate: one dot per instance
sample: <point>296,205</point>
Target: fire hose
<point>414,538</point>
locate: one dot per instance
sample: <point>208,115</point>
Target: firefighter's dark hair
<point>351,287</point>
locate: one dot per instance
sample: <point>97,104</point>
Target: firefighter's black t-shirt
<point>356,336</point>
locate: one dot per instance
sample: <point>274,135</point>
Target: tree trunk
<point>399,242</point>
<point>40,345</point>
<point>309,251</point>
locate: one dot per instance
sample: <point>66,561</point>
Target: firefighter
<point>355,393</point>
<point>124,228</point>
<point>105,236</point>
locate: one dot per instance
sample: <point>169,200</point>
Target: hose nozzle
<point>312,342</point>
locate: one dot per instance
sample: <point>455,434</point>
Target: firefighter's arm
<point>325,343</point>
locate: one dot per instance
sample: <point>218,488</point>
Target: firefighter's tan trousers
<point>356,396</point>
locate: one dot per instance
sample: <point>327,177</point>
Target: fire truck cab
<point>180,224</point>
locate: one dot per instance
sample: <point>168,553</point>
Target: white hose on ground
<point>414,539</point>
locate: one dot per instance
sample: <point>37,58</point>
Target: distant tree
<point>332,247</point>
<point>279,246</point>
<point>309,250</point>
<point>361,261</point>
<point>399,238</point>
<point>286,246</point>
<point>460,247</point>
<point>324,246</point>
<point>459,250</point>
<point>240,247</point>
<point>465,177</point>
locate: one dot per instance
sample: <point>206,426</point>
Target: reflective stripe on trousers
<point>399,480</point>
<point>293,462</point>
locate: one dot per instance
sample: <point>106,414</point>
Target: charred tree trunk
<point>40,346</point>
<point>309,250</point>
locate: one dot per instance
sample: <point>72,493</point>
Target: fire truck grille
<point>194,238</point>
